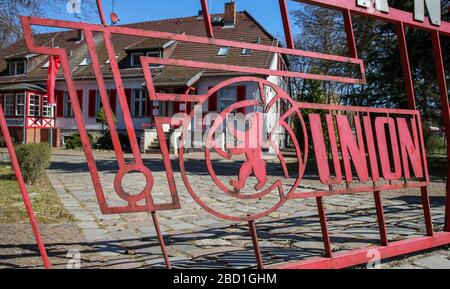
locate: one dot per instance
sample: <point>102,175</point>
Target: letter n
<point>409,148</point>
<point>434,10</point>
<point>350,147</point>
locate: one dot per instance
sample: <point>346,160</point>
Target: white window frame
<point>139,96</point>
<point>136,54</point>
<point>47,110</point>
<point>21,104</point>
<point>30,105</point>
<point>9,107</point>
<point>67,108</point>
<point>13,67</point>
<point>223,51</point>
<point>156,54</point>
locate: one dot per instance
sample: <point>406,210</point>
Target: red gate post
<point>23,190</point>
<point>442,81</point>
<point>410,94</point>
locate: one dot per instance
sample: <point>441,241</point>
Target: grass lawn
<point>46,203</point>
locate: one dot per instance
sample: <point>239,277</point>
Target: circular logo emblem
<point>246,174</point>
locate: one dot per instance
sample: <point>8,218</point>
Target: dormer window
<point>85,61</point>
<point>17,67</point>
<point>136,58</point>
<point>247,51</point>
<point>223,51</point>
<point>156,54</point>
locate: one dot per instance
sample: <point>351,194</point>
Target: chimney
<point>230,13</point>
<point>200,14</point>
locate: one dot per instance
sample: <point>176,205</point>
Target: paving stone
<point>433,262</point>
<point>212,242</point>
<point>405,266</point>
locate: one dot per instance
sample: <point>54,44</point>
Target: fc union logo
<point>240,132</point>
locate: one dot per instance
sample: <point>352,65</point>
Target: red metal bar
<point>427,211</point>
<point>356,257</point>
<point>394,15</point>
<point>122,99</point>
<point>286,24</point>
<point>348,23</point>
<point>254,234</point>
<point>207,19</point>
<point>249,70</point>
<point>101,13</point>
<point>324,227</point>
<point>445,110</point>
<point>380,218</point>
<point>105,98</point>
<point>23,190</point>
<point>184,38</point>
<point>161,240</point>
<point>406,66</point>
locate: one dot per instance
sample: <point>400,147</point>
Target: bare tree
<point>10,10</point>
<point>320,30</point>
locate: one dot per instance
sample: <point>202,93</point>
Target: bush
<point>74,141</point>
<point>105,142</point>
<point>34,159</point>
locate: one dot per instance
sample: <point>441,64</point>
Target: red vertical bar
<point>324,226</point>
<point>286,24</point>
<point>406,66</point>
<point>161,240</point>
<point>380,218</point>
<point>254,234</point>
<point>207,19</point>
<point>23,190</point>
<point>100,12</point>
<point>445,113</point>
<point>348,23</point>
<point>427,211</point>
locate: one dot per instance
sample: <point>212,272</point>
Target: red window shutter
<point>212,102</point>
<point>149,108</point>
<point>176,108</point>
<point>112,99</point>
<point>128,95</point>
<point>241,92</point>
<point>80,98</point>
<point>59,103</point>
<point>92,103</point>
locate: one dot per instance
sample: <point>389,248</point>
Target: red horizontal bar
<point>356,257</point>
<point>186,38</point>
<point>356,190</point>
<point>394,15</point>
<point>246,69</point>
<point>306,105</point>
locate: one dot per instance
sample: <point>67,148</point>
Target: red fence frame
<point>348,8</point>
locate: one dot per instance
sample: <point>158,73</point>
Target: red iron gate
<point>385,146</point>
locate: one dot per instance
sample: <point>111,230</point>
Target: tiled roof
<point>246,29</point>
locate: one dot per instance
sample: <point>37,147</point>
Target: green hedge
<point>74,141</point>
<point>34,159</point>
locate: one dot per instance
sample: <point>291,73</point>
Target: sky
<point>129,11</point>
